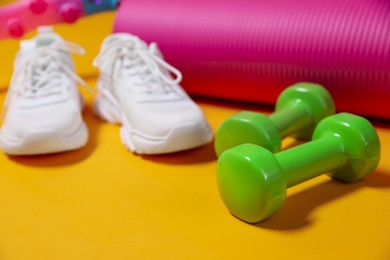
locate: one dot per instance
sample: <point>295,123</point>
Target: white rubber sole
<point>181,137</point>
<point>44,141</point>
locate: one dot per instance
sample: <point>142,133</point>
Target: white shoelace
<point>39,74</point>
<point>139,61</point>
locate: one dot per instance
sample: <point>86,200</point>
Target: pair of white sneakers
<point>135,89</point>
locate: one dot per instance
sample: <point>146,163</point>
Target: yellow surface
<point>103,202</point>
<point>7,2</point>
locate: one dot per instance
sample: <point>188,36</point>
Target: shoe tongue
<point>138,43</point>
<point>45,37</point>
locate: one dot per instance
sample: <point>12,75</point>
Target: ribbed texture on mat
<point>251,49</point>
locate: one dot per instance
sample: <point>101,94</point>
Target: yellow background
<point>103,202</point>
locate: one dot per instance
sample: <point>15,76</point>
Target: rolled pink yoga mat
<point>250,50</point>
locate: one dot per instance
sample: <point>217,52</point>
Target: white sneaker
<point>43,106</point>
<point>137,91</point>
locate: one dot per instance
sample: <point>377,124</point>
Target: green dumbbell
<point>253,182</point>
<point>299,109</point>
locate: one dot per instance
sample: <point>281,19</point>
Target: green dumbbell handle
<point>291,119</point>
<point>311,159</point>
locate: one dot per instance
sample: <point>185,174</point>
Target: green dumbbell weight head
<point>253,182</point>
<point>298,110</point>
<point>314,98</point>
